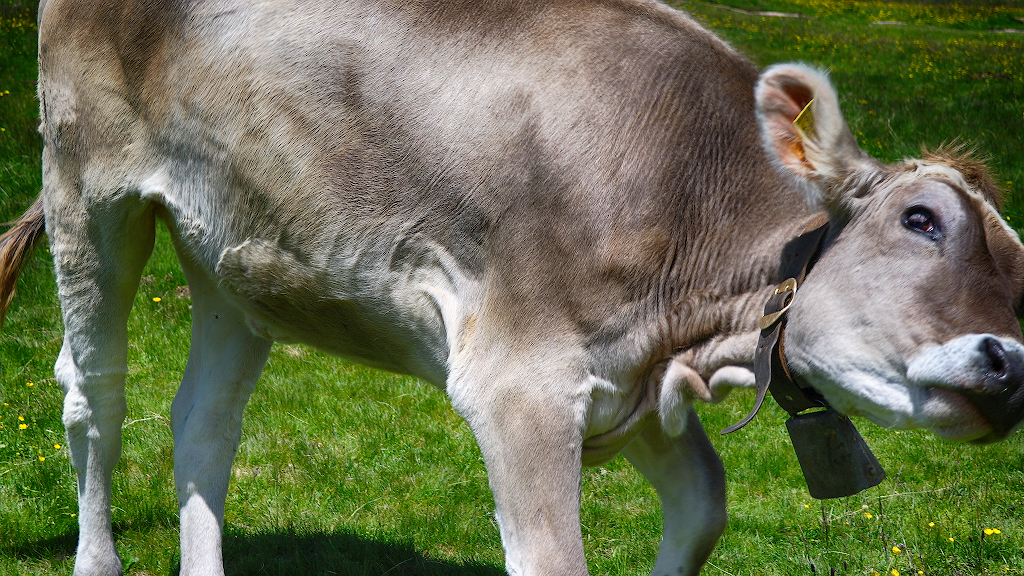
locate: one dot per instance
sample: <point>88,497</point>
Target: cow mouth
<point>973,387</point>
<point>970,416</point>
<point>969,389</point>
<point>951,416</point>
<point>947,412</point>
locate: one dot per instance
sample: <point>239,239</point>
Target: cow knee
<point>93,403</point>
<point>695,517</point>
<point>220,408</point>
<point>690,480</point>
<point>713,514</point>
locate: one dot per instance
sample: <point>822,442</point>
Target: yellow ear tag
<point>804,121</point>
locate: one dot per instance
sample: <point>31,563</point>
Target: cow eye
<point>922,220</point>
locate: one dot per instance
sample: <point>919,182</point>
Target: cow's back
<point>373,177</point>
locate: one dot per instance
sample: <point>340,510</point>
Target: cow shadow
<point>337,553</point>
<point>289,553</point>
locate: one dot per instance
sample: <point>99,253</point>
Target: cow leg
<point>531,443</point>
<point>224,361</point>
<point>99,248</point>
<point>690,481</point>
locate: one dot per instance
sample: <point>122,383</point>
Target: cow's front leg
<point>690,480</point>
<point>224,361</point>
<point>531,441</point>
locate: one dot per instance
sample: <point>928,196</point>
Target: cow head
<point>910,316</point>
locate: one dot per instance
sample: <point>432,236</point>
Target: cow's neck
<point>705,329</point>
<point>717,325</point>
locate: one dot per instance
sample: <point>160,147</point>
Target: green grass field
<point>344,470</point>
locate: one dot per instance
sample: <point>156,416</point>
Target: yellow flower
<point>42,458</point>
<point>931,524</point>
<point>56,446</point>
<point>21,418</point>
<point>868,515</point>
<point>988,531</point>
<point>896,550</point>
<point>157,299</point>
<point>30,384</point>
<point>807,505</point>
<point>22,426</point>
<point>950,538</point>
<point>895,572</point>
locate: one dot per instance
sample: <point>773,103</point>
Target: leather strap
<point>770,369</point>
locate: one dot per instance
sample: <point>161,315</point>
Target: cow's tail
<point>16,245</point>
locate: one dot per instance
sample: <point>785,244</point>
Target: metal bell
<point>835,459</point>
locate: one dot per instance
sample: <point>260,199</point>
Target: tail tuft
<point>16,245</point>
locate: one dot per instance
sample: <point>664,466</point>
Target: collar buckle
<point>770,318</point>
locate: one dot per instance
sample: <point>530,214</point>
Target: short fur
<point>964,159</point>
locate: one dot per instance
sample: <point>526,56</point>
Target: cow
<point>568,215</point>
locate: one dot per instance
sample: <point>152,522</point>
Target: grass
<point>344,470</point>
<point>940,75</point>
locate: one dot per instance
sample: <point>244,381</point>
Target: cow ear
<point>804,131</point>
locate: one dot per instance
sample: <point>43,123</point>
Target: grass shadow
<point>56,547</point>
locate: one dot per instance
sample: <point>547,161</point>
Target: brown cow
<point>567,214</point>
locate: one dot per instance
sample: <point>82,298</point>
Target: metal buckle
<point>769,320</point>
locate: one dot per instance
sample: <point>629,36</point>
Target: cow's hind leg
<point>690,481</point>
<point>99,244</point>
<point>224,361</point>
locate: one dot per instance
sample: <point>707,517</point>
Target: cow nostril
<point>999,396</point>
<point>996,358</point>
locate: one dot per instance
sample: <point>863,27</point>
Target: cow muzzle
<point>987,371</point>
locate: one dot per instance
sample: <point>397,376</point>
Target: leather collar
<point>770,370</point>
